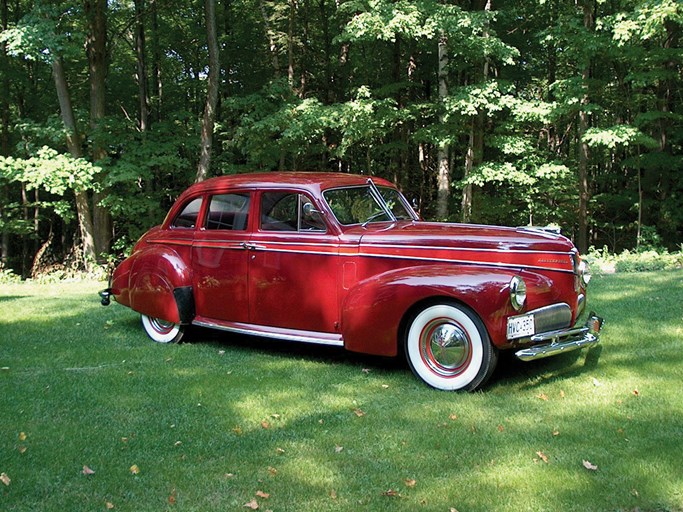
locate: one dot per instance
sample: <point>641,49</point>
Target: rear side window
<point>187,218</point>
<point>228,211</point>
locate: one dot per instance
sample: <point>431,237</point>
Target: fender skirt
<point>184,299</point>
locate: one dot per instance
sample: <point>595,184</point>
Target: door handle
<point>252,247</point>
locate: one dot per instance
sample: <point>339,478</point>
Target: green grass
<point>86,388</point>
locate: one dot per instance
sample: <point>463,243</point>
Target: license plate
<point>521,327</point>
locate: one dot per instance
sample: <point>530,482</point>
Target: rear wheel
<point>162,331</point>
<point>448,347</point>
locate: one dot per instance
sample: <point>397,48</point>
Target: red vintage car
<point>344,260</point>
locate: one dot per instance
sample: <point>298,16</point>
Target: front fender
<point>374,310</point>
<point>159,284</point>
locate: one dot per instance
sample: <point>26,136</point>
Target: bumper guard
<point>564,340</point>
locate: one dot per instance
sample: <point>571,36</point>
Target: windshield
<point>358,205</point>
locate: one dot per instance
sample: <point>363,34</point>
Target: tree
<point>211,91</point>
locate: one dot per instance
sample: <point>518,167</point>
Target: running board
<point>318,338</point>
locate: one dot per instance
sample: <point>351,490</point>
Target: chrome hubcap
<point>445,347</point>
<point>161,326</point>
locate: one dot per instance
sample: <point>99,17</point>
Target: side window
<point>188,216</point>
<point>228,211</point>
<point>286,211</point>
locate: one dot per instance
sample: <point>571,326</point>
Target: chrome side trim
<point>318,338</point>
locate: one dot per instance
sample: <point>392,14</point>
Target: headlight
<point>517,293</point>
<point>584,273</point>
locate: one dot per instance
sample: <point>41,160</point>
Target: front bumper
<point>565,340</point>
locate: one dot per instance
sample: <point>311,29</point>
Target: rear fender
<point>160,285</point>
<point>374,311</point>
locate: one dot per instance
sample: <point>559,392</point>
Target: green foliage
<point>43,33</point>
<point>618,136</point>
<point>52,171</point>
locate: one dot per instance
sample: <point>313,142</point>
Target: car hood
<point>468,243</point>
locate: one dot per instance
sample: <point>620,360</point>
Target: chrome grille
<point>552,318</point>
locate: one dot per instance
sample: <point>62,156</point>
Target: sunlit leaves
<point>50,170</point>
<point>620,135</point>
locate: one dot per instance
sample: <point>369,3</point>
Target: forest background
<point>494,111</point>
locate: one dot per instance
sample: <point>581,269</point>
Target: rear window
<point>187,218</point>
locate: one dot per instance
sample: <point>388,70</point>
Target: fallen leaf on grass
<point>265,425</point>
<point>358,412</point>
<point>279,451</point>
<point>237,430</point>
<point>635,392</point>
<point>22,449</point>
<point>338,449</point>
<point>5,479</point>
<point>272,470</point>
<point>589,466</point>
<point>556,433</point>
<point>134,469</point>
<point>543,397</point>
<point>453,417</point>
<point>253,504</point>
<point>391,493</point>
<point>410,482</point>
<point>263,495</point>
<point>22,436</point>
<point>501,428</point>
<point>87,471</point>
<point>543,456</point>
<point>109,505</point>
<point>172,498</point>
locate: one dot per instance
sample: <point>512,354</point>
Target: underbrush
<point>602,261</point>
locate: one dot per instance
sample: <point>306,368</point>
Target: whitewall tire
<point>448,347</point>
<point>162,331</point>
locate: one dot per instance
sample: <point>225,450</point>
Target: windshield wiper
<point>377,196</point>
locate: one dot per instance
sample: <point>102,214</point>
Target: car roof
<point>313,181</point>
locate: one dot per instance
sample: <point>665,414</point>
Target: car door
<point>220,258</point>
<point>293,265</point>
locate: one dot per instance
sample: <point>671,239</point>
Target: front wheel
<point>162,331</point>
<point>448,347</point>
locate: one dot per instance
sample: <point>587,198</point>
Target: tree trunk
<point>157,86</point>
<point>444,171</point>
<point>272,44</point>
<point>211,92</point>
<point>96,47</point>
<point>290,44</point>
<point>73,142</point>
<point>475,149</point>
<point>4,63</point>
<point>582,238</point>
<point>143,91</point>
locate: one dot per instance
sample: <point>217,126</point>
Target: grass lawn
<point>94,416</point>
